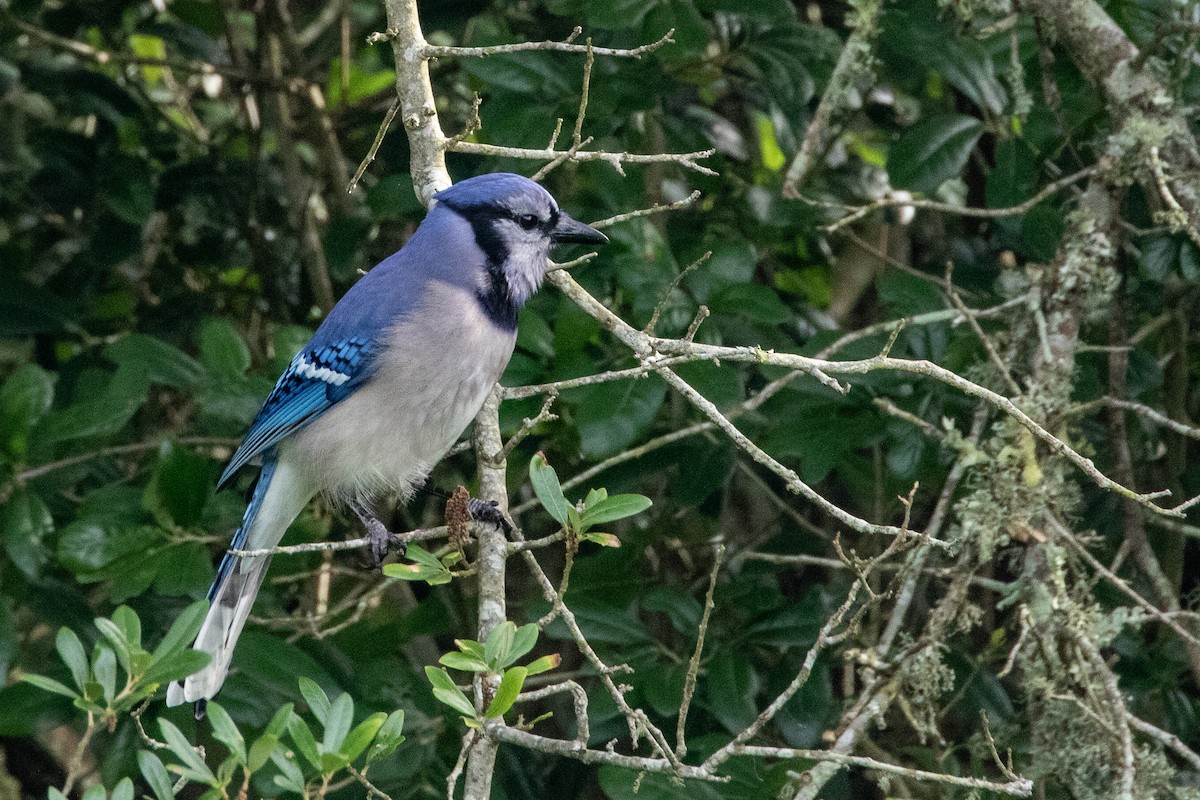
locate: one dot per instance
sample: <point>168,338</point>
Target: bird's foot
<point>488,511</point>
<point>380,537</point>
<point>382,540</point>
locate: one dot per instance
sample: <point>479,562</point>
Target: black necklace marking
<point>496,300</point>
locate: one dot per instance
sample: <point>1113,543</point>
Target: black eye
<point>528,221</point>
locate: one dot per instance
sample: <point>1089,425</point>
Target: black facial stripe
<point>497,299</point>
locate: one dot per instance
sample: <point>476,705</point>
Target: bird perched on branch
<point>388,382</point>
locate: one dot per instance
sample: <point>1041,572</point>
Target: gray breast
<point>438,367</point>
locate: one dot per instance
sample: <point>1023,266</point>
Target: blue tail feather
<point>239,538</point>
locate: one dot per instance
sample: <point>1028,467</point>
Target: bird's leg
<point>381,538</point>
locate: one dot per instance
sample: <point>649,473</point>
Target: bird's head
<point>515,222</point>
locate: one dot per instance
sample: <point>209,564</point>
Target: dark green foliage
<point>158,273</point>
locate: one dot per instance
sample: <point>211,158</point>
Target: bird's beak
<point>571,231</point>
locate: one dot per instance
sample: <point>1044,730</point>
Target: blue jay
<point>391,378</point>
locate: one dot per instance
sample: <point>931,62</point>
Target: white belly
<point>429,384</point>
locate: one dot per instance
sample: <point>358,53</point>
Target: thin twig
<point>645,212</point>
<point>983,338</point>
<point>1179,218</point>
<point>964,211</point>
<point>527,427</point>
<point>689,683</point>
<point>1069,537</point>
<point>443,51</point>
<point>614,159</point>
<point>1172,742</point>
<point>419,535</point>
<point>119,450</point>
<point>678,279</point>
<point>1022,787</point>
<point>374,150</point>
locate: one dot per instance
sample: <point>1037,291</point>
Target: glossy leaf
<point>546,487</point>
<point>155,775</point>
<point>506,693</point>
<point>71,651</point>
<point>611,509</point>
<point>226,732</point>
<point>447,692</point>
<point>932,151</point>
<point>318,701</point>
<point>360,737</point>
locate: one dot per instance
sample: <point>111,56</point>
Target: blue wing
<point>317,378</point>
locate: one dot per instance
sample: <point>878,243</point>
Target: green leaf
<point>25,398</point>
<point>358,739</point>
<point>498,647</point>
<point>506,693</point>
<point>158,361</point>
<point>618,506</point>
<point>104,667</point>
<point>768,146</point>
<point>932,152</point>
<point>471,649</point>
<point>175,666</point>
<point>543,664</point>
<point>86,547</point>
<point>1189,260</point>
<point>261,751</point>
<point>966,66</point>
<point>101,413</point>
<point>426,567</point>
<point>463,662</point>
<point>291,778</point>
<point>25,522</point>
<point>116,637</point>
<point>524,638</point>
<point>1159,256</point>
<point>613,415</point>
<point>184,751</point>
<point>731,689</point>
<point>279,722</point>
<point>341,717</point>
<point>602,539</point>
<point>547,488</point>
<point>752,301</point>
<point>156,775</point>
<point>49,684</point>
<point>389,736</point>
<point>127,189</point>
<point>183,630</point>
<point>265,745</point>
<point>226,732</point>
<point>447,692</point>
<point>223,351</point>
<point>318,701</point>
<point>180,488</point>
<point>126,619</point>
<point>71,651</point>
<point>361,85</point>
<point>306,743</point>
<point>123,790</point>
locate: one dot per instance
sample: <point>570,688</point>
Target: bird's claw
<point>381,541</point>
<point>488,511</point>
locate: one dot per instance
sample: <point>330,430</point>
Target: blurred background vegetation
<point>174,221</point>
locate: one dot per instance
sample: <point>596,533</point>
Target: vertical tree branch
<point>853,68</point>
<point>418,111</point>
